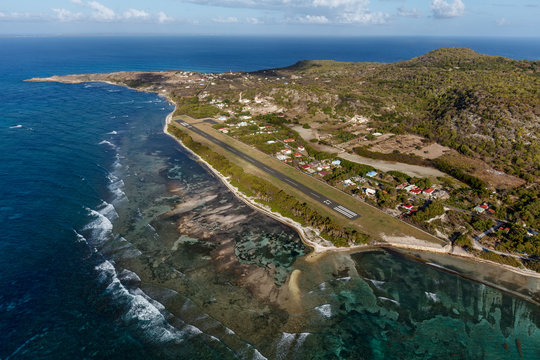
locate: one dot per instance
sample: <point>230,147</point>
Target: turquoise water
<point>94,266</point>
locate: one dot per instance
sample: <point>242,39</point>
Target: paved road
<point>340,209</point>
<point>478,246</point>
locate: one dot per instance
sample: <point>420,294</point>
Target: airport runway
<point>340,209</point>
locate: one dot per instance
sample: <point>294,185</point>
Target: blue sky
<point>273,17</point>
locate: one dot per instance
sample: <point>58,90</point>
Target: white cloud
<point>135,14</point>
<point>101,12</point>
<point>364,17</point>
<point>413,13</point>
<point>313,19</point>
<point>227,20</point>
<point>253,21</point>
<point>2,15</point>
<point>78,2</point>
<point>66,15</point>
<point>340,3</point>
<point>502,22</point>
<point>164,18</point>
<point>443,9</point>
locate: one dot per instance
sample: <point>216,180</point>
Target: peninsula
<point>438,153</point>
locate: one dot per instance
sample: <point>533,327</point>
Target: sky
<point>514,18</point>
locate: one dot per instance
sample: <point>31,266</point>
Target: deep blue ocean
<point>62,148</point>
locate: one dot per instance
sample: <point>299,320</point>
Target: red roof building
<point>428,191</point>
<point>289,140</point>
<point>305,167</point>
<point>416,191</point>
<point>297,154</point>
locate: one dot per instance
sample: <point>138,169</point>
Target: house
<point>301,148</point>
<point>479,209</point>
<point>336,162</point>
<point>306,166</point>
<point>428,191</point>
<point>359,119</point>
<point>286,151</point>
<point>223,130</point>
<point>348,182</point>
<point>324,173</point>
<point>371,173</point>
<point>270,142</point>
<point>369,191</point>
<point>288,140</point>
<point>410,187</point>
<point>407,206</point>
<point>416,191</point>
<point>242,124</point>
<point>297,154</point>
<point>222,118</point>
<point>401,186</point>
<point>281,157</point>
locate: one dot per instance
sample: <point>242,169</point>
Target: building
<point>297,154</point>
<point>479,209</point>
<point>223,130</point>
<point>286,151</point>
<point>281,157</point>
<point>371,173</point>
<point>409,187</point>
<point>288,140</point>
<point>369,192</point>
<point>428,191</point>
<point>301,148</point>
<point>270,142</point>
<point>336,162</point>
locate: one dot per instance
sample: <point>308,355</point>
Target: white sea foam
<point>80,238</point>
<point>114,132</point>
<point>15,127</point>
<point>100,228</point>
<point>322,286</point>
<point>106,142</point>
<point>108,211</point>
<point>432,296</point>
<point>116,187</point>
<point>141,310</point>
<point>284,344</point>
<point>346,278</point>
<point>300,341</point>
<point>388,299</point>
<point>378,284</point>
<point>325,310</point>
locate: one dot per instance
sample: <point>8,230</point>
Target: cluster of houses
<point>429,192</point>
<point>268,129</point>
<point>483,208</point>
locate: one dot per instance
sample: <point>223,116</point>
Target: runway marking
<point>316,195</point>
<point>352,213</point>
<point>347,214</point>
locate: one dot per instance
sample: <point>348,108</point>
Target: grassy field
<point>372,221</point>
